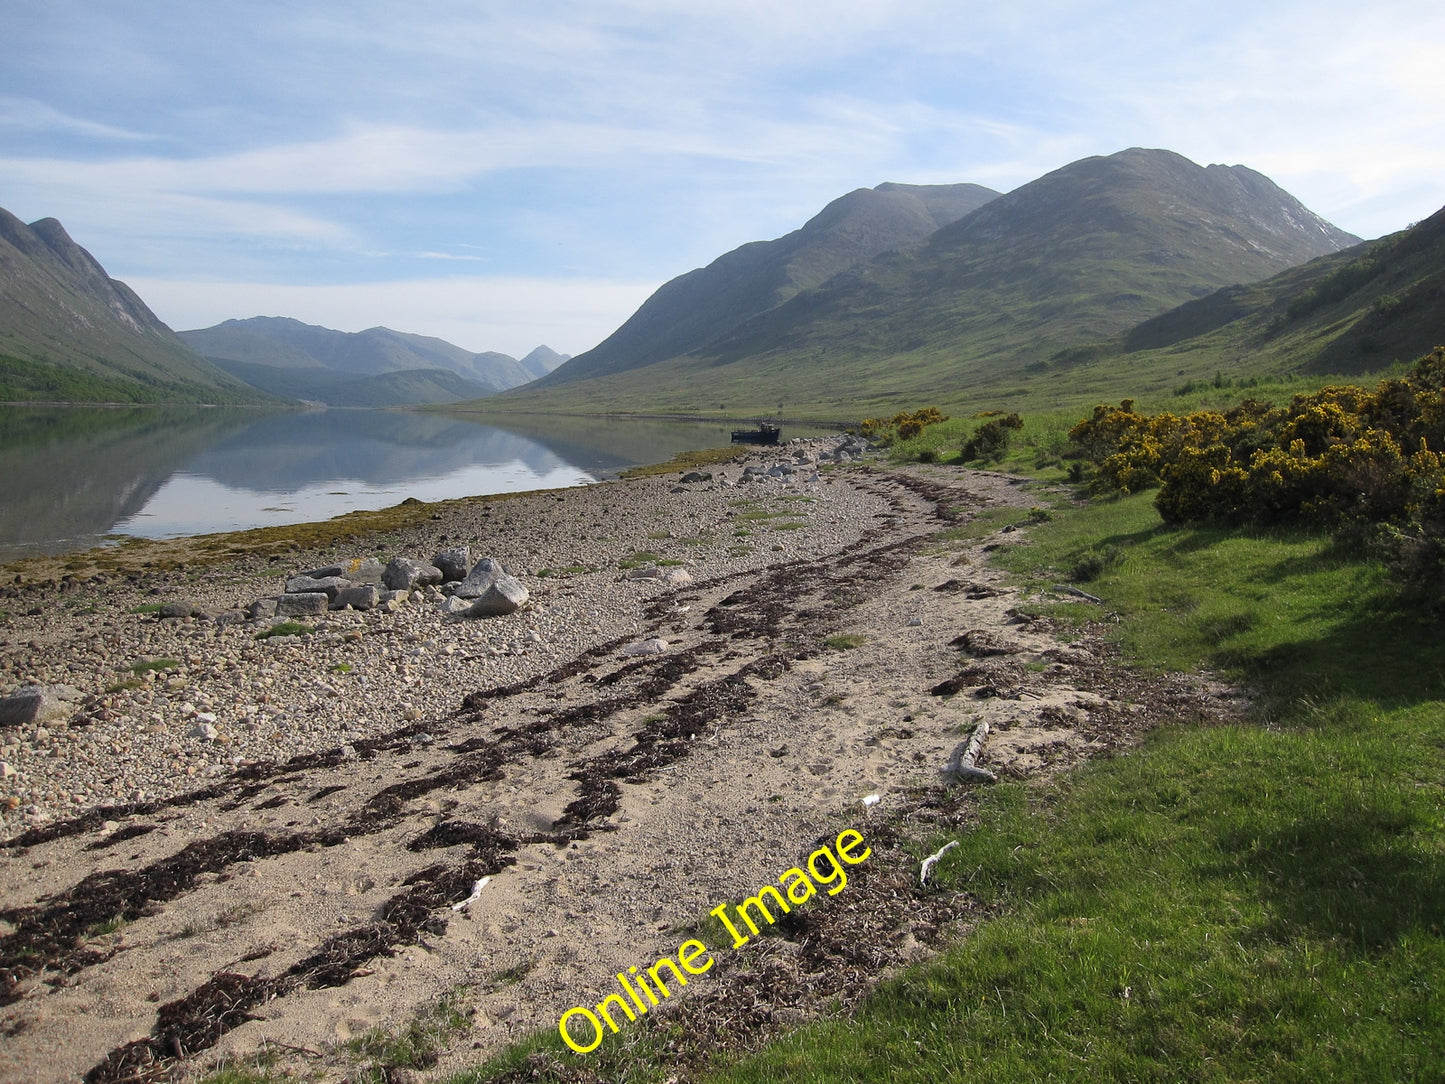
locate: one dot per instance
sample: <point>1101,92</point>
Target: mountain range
<point>71,333</point>
<point>1110,276</point>
<point>1018,284</point>
<point>376,367</point>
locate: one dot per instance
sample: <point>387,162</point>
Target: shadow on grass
<point>1352,876</point>
<point>1379,653</point>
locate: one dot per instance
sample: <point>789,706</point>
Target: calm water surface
<point>70,477</point>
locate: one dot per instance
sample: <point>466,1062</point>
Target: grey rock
<point>205,731</point>
<point>655,646</point>
<point>363,597</point>
<point>305,604</point>
<point>176,610</point>
<point>324,573</point>
<point>403,574</point>
<point>454,563</point>
<point>262,609</point>
<point>361,570</point>
<point>227,618</point>
<point>480,578</point>
<point>454,605</point>
<point>33,705</point>
<point>304,584</point>
<point>503,595</point>
<point>694,476</point>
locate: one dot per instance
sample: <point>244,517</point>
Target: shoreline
<point>380,766</point>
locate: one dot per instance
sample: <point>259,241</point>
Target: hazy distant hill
<point>70,332</point>
<point>1074,258</point>
<point>697,308</point>
<point>376,367</point>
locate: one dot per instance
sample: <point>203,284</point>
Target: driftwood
<point>932,860</point>
<point>1066,589</point>
<point>962,763</point>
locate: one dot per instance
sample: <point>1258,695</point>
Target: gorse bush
<point>991,439</point>
<point>1343,457</point>
<point>902,426</point>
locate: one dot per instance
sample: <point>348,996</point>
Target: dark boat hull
<point>763,434</point>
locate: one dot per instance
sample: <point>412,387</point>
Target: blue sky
<point>508,174</point>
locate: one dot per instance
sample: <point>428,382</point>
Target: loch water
<point>72,477</point>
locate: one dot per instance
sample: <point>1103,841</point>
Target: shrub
<point>991,439</point>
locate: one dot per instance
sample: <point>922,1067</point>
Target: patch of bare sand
<point>612,803</point>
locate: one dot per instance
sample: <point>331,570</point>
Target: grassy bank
<point>1240,902</point>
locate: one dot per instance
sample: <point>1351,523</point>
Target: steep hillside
<point>1351,313</point>
<point>991,302</point>
<point>338,367</point>
<point>70,332</point>
<point>695,309</point>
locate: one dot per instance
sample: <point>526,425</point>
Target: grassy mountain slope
<point>990,302</point>
<point>694,309</point>
<point>68,331</point>
<point>317,362</point>
<point>1351,313</point>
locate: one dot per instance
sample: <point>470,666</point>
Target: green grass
<point>416,1046</point>
<point>285,628</point>
<point>146,665</point>
<point>846,641</point>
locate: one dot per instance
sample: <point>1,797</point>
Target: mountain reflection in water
<point>74,475</point>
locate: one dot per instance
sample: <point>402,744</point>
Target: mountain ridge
<point>1072,259</point>
<point>316,363</point>
<point>70,331</point>
<point>690,311</point>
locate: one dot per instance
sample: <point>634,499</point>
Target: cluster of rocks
<point>449,580</point>
<point>805,455</point>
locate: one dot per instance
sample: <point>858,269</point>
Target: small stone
<point>204,731</point>
<point>654,646</point>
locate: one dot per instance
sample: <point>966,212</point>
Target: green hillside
<point>69,332</point>
<point>988,310</point>
<point>1362,310</point>
<point>697,308</point>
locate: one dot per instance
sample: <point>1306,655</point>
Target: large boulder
<point>363,596</point>
<point>36,705</point>
<point>405,574</point>
<point>363,570</point>
<point>453,563</point>
<point>479,578</point>
<point>504,594</point>
<point>306,583</point>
